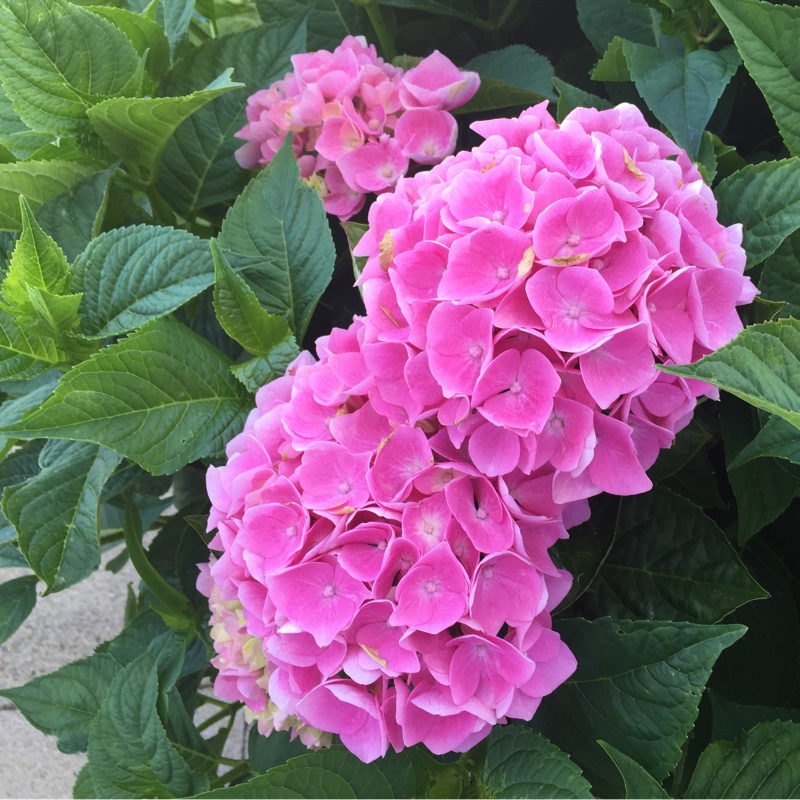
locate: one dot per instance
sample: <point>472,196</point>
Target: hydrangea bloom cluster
<point>356,120</point>
<point>384,519</point>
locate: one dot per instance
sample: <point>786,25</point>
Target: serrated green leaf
<point>460,9</point>
<point>682,90</point>
<point>571,97</point>
<point>638,781</point>
<point>55,513</point>
<point>258,372</point>
<point>58,60</point>
<point>780,276</point>
<point>637,687</point>
<point>240,313</point>
<point>513,76</point>
<point>174,17</point>
<point>777,439</point>
<point>761,366</point>
<point>138,273</point>
<point>766,36</point>
<point>687,444</point>
<point>138,129</point>
<point>265,752</point>
<point>329,21</point>
<point>129,753</point>
<point>613,66</point>
<point>763,762</point>
<point>65,702</point>
<point>602,20</point>
<point>11,412</point>
<point>162,397</point>
<point>17,599</point>
<point>277,237</point>
<point>146,36</point>
<point>73,218</point>
<point>733,719</point>
<point>520,763</point>
<point>198,168</point>
<point>25,354</point>
<point>37,181</point>
<point>15,135</point>
<point>670,561</point>
<point>765,198</point>
<point>83,788</point>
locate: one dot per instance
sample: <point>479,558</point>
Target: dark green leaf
<point>670,561</point>
<point>461,9</point>
<point>329,21</point>
<point>602,20</point>
<point>763,762</point>
<point>637,687</point>
<point>134,274</point>
<point>780,276</point>
<point>277,236</point>
<point>689,441</point>
<point>162,397</point>
<point>17,599</point>
<point>732,719</point>
<point>571,97</point>
<point>777,439</point>
<point>258,372</point>
<point>265,752</point>
<point>65,702</point>
<point>638,781</point>
<point>613,66</point>
<point>765,198</point>
<point>55,513</point>
<point>520,763</point>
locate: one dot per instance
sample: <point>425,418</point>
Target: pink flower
<point>437,83</point>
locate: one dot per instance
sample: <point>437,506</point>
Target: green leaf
<point>602,20</point>
<point>355,231</point>
<point>145,35</point>
<point>765,198</point>
<point>138,129</point>
<point>732,719</point>
<point>55,513</point>
<point>638,781</point>
<point>681,90</point>
<point>138,273</point>
<point>761,366</point>
<point>37,181</point>
<point>83,788</point>
<point>265,752</point>
<point>258,372</point>
<point>242,316</point>
<point>670,561</point>
<point>637,687</point>
<point>766,36</point>
<point>19,465</point>
<point>777,439</point>
<point>571,97</point>
<point>460,9</point>
<point>162,397</point>
<point>174,17</point>
<point>15,135</point>
<point>198,168</point>
<point>65,702</point>
<point>75,217</point>
<point>276,235</point>
<point>613,66</point>
<point>520,763</point>
<point>25,354</point>
<point>17,599</point>
<point>129,753</point>
<point>780,276</point>
<point>513,76</point>
<point>689,441</point>
<point>329,21</point>
<point>763,762</point>
<point>58,60</point>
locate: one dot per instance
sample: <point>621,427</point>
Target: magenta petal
<point>615,467</point>
<point>477,506</point>
<point>404,456</point>
<point>435,720</point>
<point>494,450</point>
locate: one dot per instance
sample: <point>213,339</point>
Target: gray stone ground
<point>62,627</point>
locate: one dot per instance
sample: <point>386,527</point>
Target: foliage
<point>150,286</point>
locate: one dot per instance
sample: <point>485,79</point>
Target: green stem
<point>242,768</point>
<point>381,29</point>
<point>214,718</point>
<point>506,15</point>
<point>168,595</point>
<point>706,40</point>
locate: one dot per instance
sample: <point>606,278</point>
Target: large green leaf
<point>761,366</point>
<point>129,753</point>
<point>138,273</point>
<point>55,512</point>
<point>637,687</point>
<point>162,397</point>
<point>11,412</point>
<point>670,561</point>
<point>138,129</point>
<point>198,168</point>
<point>763,762</point>
<point>602,20</point>
<point>766,36</point>
<point>65,702</point>
<point>515,75</point>
<point>58,60</point>
<point>777,439</point>
<point>257,372</point>
<point>682,90</point>
<point>520,763</point>
<point>74,217</point>
<point>17,599</point>
<point>571,97</point>
<point>780,276</point>
<point>765,198</point>
<point>638,782</point>
<point>37,181</point>
<point>329,21</point>
<point>733,719</point>
<point>277,236</point>
<point>23,353</point>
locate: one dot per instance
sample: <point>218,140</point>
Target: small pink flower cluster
<point>356,120</point>
<point>384,519</point>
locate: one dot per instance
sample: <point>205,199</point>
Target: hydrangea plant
<point>429,488</point>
